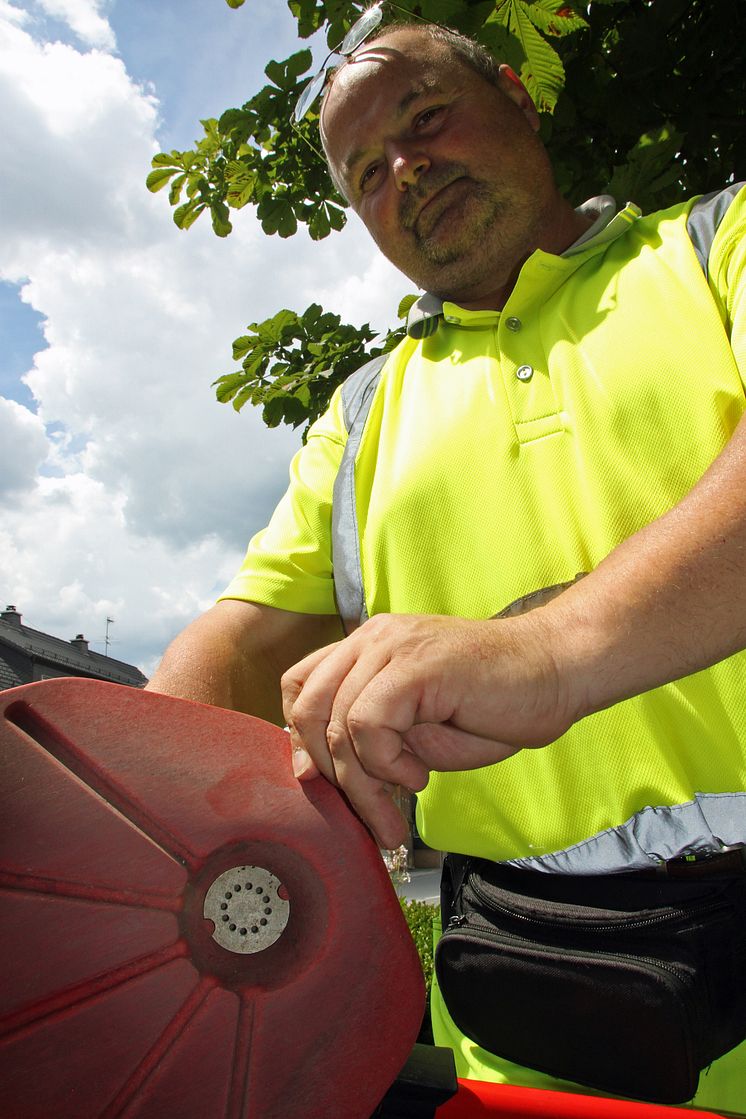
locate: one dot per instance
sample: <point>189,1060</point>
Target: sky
<point>126,490</point>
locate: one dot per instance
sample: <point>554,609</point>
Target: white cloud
<point>140,498</point>
<point>84,18</point>
<point>23,449</point>
<point>11,14</point>
<point>77,139</point>
<point>69,562</point>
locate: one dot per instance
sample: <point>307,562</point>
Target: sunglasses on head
<point>361,30</point>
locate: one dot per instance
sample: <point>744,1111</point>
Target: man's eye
<point>428,116</point>
<point>368,176</point>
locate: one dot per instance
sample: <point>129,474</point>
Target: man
<point>568,402</point>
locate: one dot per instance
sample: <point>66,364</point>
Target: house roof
<point>77,658</point>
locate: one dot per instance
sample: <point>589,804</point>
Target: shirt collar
<point>425,315</point>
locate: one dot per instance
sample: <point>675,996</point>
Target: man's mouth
<point>424,220</point>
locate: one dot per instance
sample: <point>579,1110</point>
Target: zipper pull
<point>464,872</point>
<point>456,921</point>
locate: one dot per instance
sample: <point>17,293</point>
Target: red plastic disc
<point>185,929</point>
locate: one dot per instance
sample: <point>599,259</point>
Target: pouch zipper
<point>483,930</point>
<point>672,914</point>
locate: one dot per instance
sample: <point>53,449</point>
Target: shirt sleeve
<point>289,563</point>
<point>727,276</point>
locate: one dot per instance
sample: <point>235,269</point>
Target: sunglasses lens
<point>360,30</point>
<point>309,95</point>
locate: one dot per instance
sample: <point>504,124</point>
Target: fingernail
<point>301,761</point>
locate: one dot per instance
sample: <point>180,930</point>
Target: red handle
<point>476,1099</point>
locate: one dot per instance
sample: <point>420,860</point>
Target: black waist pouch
<point>625,984</point>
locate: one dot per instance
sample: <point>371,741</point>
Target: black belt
<point>729,863</point>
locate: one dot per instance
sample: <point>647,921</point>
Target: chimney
<point>79,642</point>
<point>10,614</point>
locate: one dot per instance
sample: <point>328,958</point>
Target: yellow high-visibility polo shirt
<point>508,451</point>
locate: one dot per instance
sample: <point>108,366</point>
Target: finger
<point>293,680</point>
<point>371,798</point>
<point>445,748</point>
<point>382,817</point>
<point>310,712</point>
<point>392,762</point>
<point>304,767</point>
<point>377,721</point>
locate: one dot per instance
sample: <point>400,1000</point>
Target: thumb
<point>303,766</point>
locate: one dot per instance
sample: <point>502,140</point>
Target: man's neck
<point>560,231</point>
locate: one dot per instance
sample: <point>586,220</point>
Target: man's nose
<point>407,168</point>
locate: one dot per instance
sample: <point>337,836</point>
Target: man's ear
<point>511,85</point>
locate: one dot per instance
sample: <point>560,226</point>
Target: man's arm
<point>235,654</point>
<point>406,695</point>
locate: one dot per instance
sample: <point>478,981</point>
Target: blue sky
<point>20,330</point>
<point>199,59</point>
<point>126,489</point>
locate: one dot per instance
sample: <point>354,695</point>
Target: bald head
<point>426,39</point>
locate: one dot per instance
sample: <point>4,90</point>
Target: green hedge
<point>419,916</point>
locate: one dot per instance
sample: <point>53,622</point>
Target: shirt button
<point>524,372</point>
<point>513,324</point>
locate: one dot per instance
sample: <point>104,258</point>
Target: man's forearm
<point>234,655</point>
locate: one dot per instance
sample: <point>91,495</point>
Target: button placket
<point>529,390</point>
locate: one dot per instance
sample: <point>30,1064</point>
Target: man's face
<point>444,169</point>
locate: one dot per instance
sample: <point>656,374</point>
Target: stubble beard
<point>454,258</point>
<point>479,213</point>
<point>497,235</point>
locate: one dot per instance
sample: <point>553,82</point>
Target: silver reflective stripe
<point>357,395</point>
<point>703,826</point>
<point>705,217</point>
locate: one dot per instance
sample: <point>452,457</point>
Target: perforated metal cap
<point>249,908</point>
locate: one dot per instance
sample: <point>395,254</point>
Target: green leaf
<point>278,217</point>
<point>311,315</point>
<point>156,180</point>
<point>648,167</point>
<point>227,386</point>
<point>273,411</point>
<point>542,74</point>
<point>319,225</point>
<point>186,215</point>
<point>174,193</point>
<point>195,183</point>
<point>242,397</point>
<point>309,17</point>
<point>337,216</point>
<point>405,304</point>
<point>283,74</point>
<point>241,182</point>
<point>242,345</point>
<point>221,222</point>
<point>554,17</point>
<point>298,63</point>
<point>501,42</point>
<point>271,330</point>
<point>165,160</point>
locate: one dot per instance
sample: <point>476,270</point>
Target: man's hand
<point>407,694</point>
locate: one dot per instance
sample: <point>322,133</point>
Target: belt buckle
<point>728,860</point>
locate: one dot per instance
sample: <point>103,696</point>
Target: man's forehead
<point>395,58</point>
<point>390,74</point>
